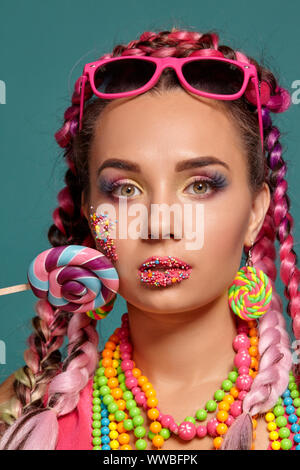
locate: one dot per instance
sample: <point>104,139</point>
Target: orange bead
<point>254,363</point>
<point>113,382</point>
<point>120,428</point>
<point>155,427</point>
<point>147,386</point>
<point>114,339</point>
<point>221,428</point>
<point>117,393</point>
<point>126,447</point>
<point>121,404</point>
<point>110,345</point>
<point>234,392</point>
<point>106,362</point>
<point>253,351</point>
<point>251,373</point>
<point>107,353</point>
<point>136,372</point>
<point>255,416</point>
<point>153,413</point>
<point>254,423</point>
<point>252,323</point>
<point>223,405</point>
<point>158,440</point>
<point>152,402</point>
<point>253,332</point>
<point>150,393</point>
<point>222,416</point>
<point>218,442</point>
<point>142,380</point>
<point>228,398</point>
<point>254,374</point>
<point>124,438</point>
<point>254,341</point>
<point>110,372</point>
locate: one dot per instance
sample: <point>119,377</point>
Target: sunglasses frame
<point>249,71</point>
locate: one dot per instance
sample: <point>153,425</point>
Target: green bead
<point>292,386</point>
<point>107,399</point>
<point>233,375</point>
<point>141,444</point>
<point>104,390</point>
<point>296,402</point>
<point>211,405</point>
<point>127,395</point>
<point>119,415</point>
<point>165,433</point>
<point>284,432</point>
<point>292,378</point>
<point>121,378</point>
<point>96,409</point>
<point>279,401</point>
<point>130,404</point>
<point>97,416</point>
<point>101,371</point>
<point>227,385</point>
<point>151,435</point>
<point>298,412</point>
<point>95,386</point>
<point>96,393</point>
<point>286,444</point>
<point>102,380</point>
<point>119,370</point>
<point>96,401</point>
<point>128,424</point>
<point>278,410</point>
<point>139,431</point>
<point>281,421</point>
<point>201,414</point>
<point>294,394</point>
<point>138,420</point>
<point>97,448</point>
<point>97,441</point>
<point>134,411</point>
<point>96,424</point>
<point>96,432</point>
<point>190,419</point>
<point>219,395</point>
<point>123,387</point>
<point>112,407</point>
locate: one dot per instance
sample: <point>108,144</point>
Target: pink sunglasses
<point>212,77</point>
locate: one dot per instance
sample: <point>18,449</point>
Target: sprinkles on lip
<point>166,278</point>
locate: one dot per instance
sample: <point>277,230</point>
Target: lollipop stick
<point>13,289</point>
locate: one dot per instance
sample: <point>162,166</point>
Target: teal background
<point>44,46</point>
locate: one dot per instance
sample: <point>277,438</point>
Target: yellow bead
<point>273,435</point>
<point>126,447</point>
<point>113,434</point>
<point>112,426</point>
<point>116,354</point>
<point>114,444</point>
<point>269,417</point>
<point>275,445</point>
<point>272,426</point>
<point>115,363</point>
<point>111,417</point>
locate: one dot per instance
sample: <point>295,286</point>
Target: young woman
<point>202,359</point>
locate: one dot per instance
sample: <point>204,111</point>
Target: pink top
<point>75,428</point>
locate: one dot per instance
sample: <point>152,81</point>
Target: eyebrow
<point>180,166</point>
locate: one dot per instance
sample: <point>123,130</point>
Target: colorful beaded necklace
<point>119,385</point>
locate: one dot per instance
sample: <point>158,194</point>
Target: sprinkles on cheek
<point>102,226</point>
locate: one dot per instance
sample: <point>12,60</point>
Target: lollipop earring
<point>102,227</point>
<point>250,294</point>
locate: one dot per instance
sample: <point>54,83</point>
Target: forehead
<point>172,125</point>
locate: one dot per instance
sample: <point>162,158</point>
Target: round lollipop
<point>75,278</point>
<point>250,294</point>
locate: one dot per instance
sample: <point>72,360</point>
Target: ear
<point>260,205</point>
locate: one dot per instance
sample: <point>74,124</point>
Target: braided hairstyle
<point>32,426</point>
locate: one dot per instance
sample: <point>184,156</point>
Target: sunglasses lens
<point>134,74</point>
<point>214,76</point>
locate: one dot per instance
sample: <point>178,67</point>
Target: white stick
<point>13,289</point>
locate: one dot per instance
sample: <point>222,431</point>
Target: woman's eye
<point>199,187</point>
<point>125,190</point>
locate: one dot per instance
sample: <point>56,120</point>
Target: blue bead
<point>105,439</point>
<point>106,447</point>
<point>105,430</point>
<point>105,421</point>
<point>156,261</point>
<point>297,447</point>
<point>295,428</point>
<point>104,413</point>
<point>288,401</point>
<point>292,418</point>
<point>286,393</point>
<point>297,438</point>
<point>290,409</point>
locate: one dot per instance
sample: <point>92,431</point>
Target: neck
<point>189,348</point>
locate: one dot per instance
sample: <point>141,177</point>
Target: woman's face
<point>157,134</point>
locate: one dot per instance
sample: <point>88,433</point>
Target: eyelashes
<point>215,182</point>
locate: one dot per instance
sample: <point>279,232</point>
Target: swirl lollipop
<point>250,294</point>
<point>75,278</point>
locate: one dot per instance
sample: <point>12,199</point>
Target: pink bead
<point>243,370</point>
<point>125,316</point>
<point>126,356</point>
<point>241,341</point>
<point>140,398</point>
<point>166,420</point>
<point>244,382</point>
<point>125,347</point>
<point>128,373</point>
<point>201,431</point>
<point>243,329</point>
<point>212,427</point>
<point>127,364</point>
<point>241,359</point>
<point>236,408</point>
<point>229,420</point>
<point>136,390</point>
<point>173,428</point>
<point>131,382</point>
<point>124,333</point>
<point>242,395</point>
<point>187,431</point>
